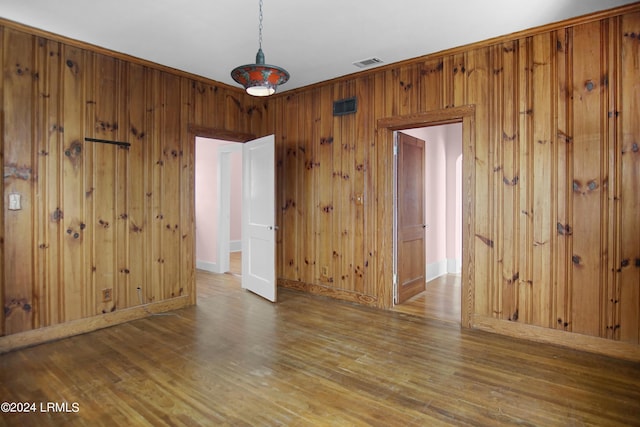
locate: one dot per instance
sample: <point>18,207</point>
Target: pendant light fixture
<point>260,79</point>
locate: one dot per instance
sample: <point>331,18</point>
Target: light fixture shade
<point>260,79</point>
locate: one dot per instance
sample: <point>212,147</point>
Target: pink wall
<point>453,151</point>
<point>206,195</point>
<point>442,208</point>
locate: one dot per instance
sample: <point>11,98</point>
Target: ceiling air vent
<point>345,106</point>
<point>368,62</point>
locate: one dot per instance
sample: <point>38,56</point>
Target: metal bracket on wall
<point>106,141</point>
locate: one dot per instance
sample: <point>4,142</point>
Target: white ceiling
<point>315,40</point>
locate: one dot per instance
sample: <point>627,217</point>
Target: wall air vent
<point>345,106</point>
<point>368,62</point>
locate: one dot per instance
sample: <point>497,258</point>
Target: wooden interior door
<point>410,192</point>
<point>258,217</point>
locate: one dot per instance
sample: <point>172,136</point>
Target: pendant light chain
<point>260,79</point>
<point>260,27</point>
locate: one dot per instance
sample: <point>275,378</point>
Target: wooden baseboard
<point>81,326</point>
<point>618,349</point>
<point>329,292</point>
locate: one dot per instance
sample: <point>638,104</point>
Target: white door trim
<point>224,204</point>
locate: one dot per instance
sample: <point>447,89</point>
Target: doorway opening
<point>257,211</point>
<point>428,221</point>
<point>386,129</point>
<point>218,205</point>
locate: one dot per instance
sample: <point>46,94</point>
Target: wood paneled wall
<point>556,177</point>
<point>99,216</point>
<point>552,240</point>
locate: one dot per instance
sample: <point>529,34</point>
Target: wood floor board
<point>238,360</point>
<point>440,300</point>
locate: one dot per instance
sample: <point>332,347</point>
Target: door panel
<point>258,217</point>
<point>411,258</point>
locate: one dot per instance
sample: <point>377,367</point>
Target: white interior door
<point>258,217</point>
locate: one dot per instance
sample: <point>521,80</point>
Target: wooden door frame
<point>385,128</point>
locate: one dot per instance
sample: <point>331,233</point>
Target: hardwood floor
<point>235,263</point>
<point>440,300</point>
<point>235,359</point>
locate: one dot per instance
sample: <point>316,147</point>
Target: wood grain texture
<point>551,179</point>
<point>19,171</point>
<point>627,264</point>
<point>551,227</point>
<point>439,301</point>
<point>235,359</point>
<point>99,218</point>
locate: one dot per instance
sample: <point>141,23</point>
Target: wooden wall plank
<point>171,157</point>
<point>588,181</point>
<point>431,84</point>
<point>362,184</point>
<point>18,71</point>
<point>461,72</point>
<point>154,289</point>
<point>290,179</point>
<point>496,281</point>
<point>507,182</point>
<point>72,191</point>
<point>563,213</point>
<point>541,178</point>
<point>103,189</point>
<point>207,107</point>
<point>278,129</point>
<point>611,167</point>
<point>479,82</point>
<point>344,158</point>
<point>339,209</point>
<point>137,215</point>
<point>40,143</point>
<point>525,215</point>
<point>480,85</point>
<point>307,183</point>
<point>49,155</point>
<point>326,197</point>
<point>380,264</point>
<point>186,235</point>
<point>629,130</point>
<point>54,216</point>
<point>90,301</point>
<point>122,187</point>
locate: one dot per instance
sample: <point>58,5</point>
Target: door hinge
<point>395,288</point>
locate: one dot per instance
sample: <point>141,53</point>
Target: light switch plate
<point>14,202</point>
